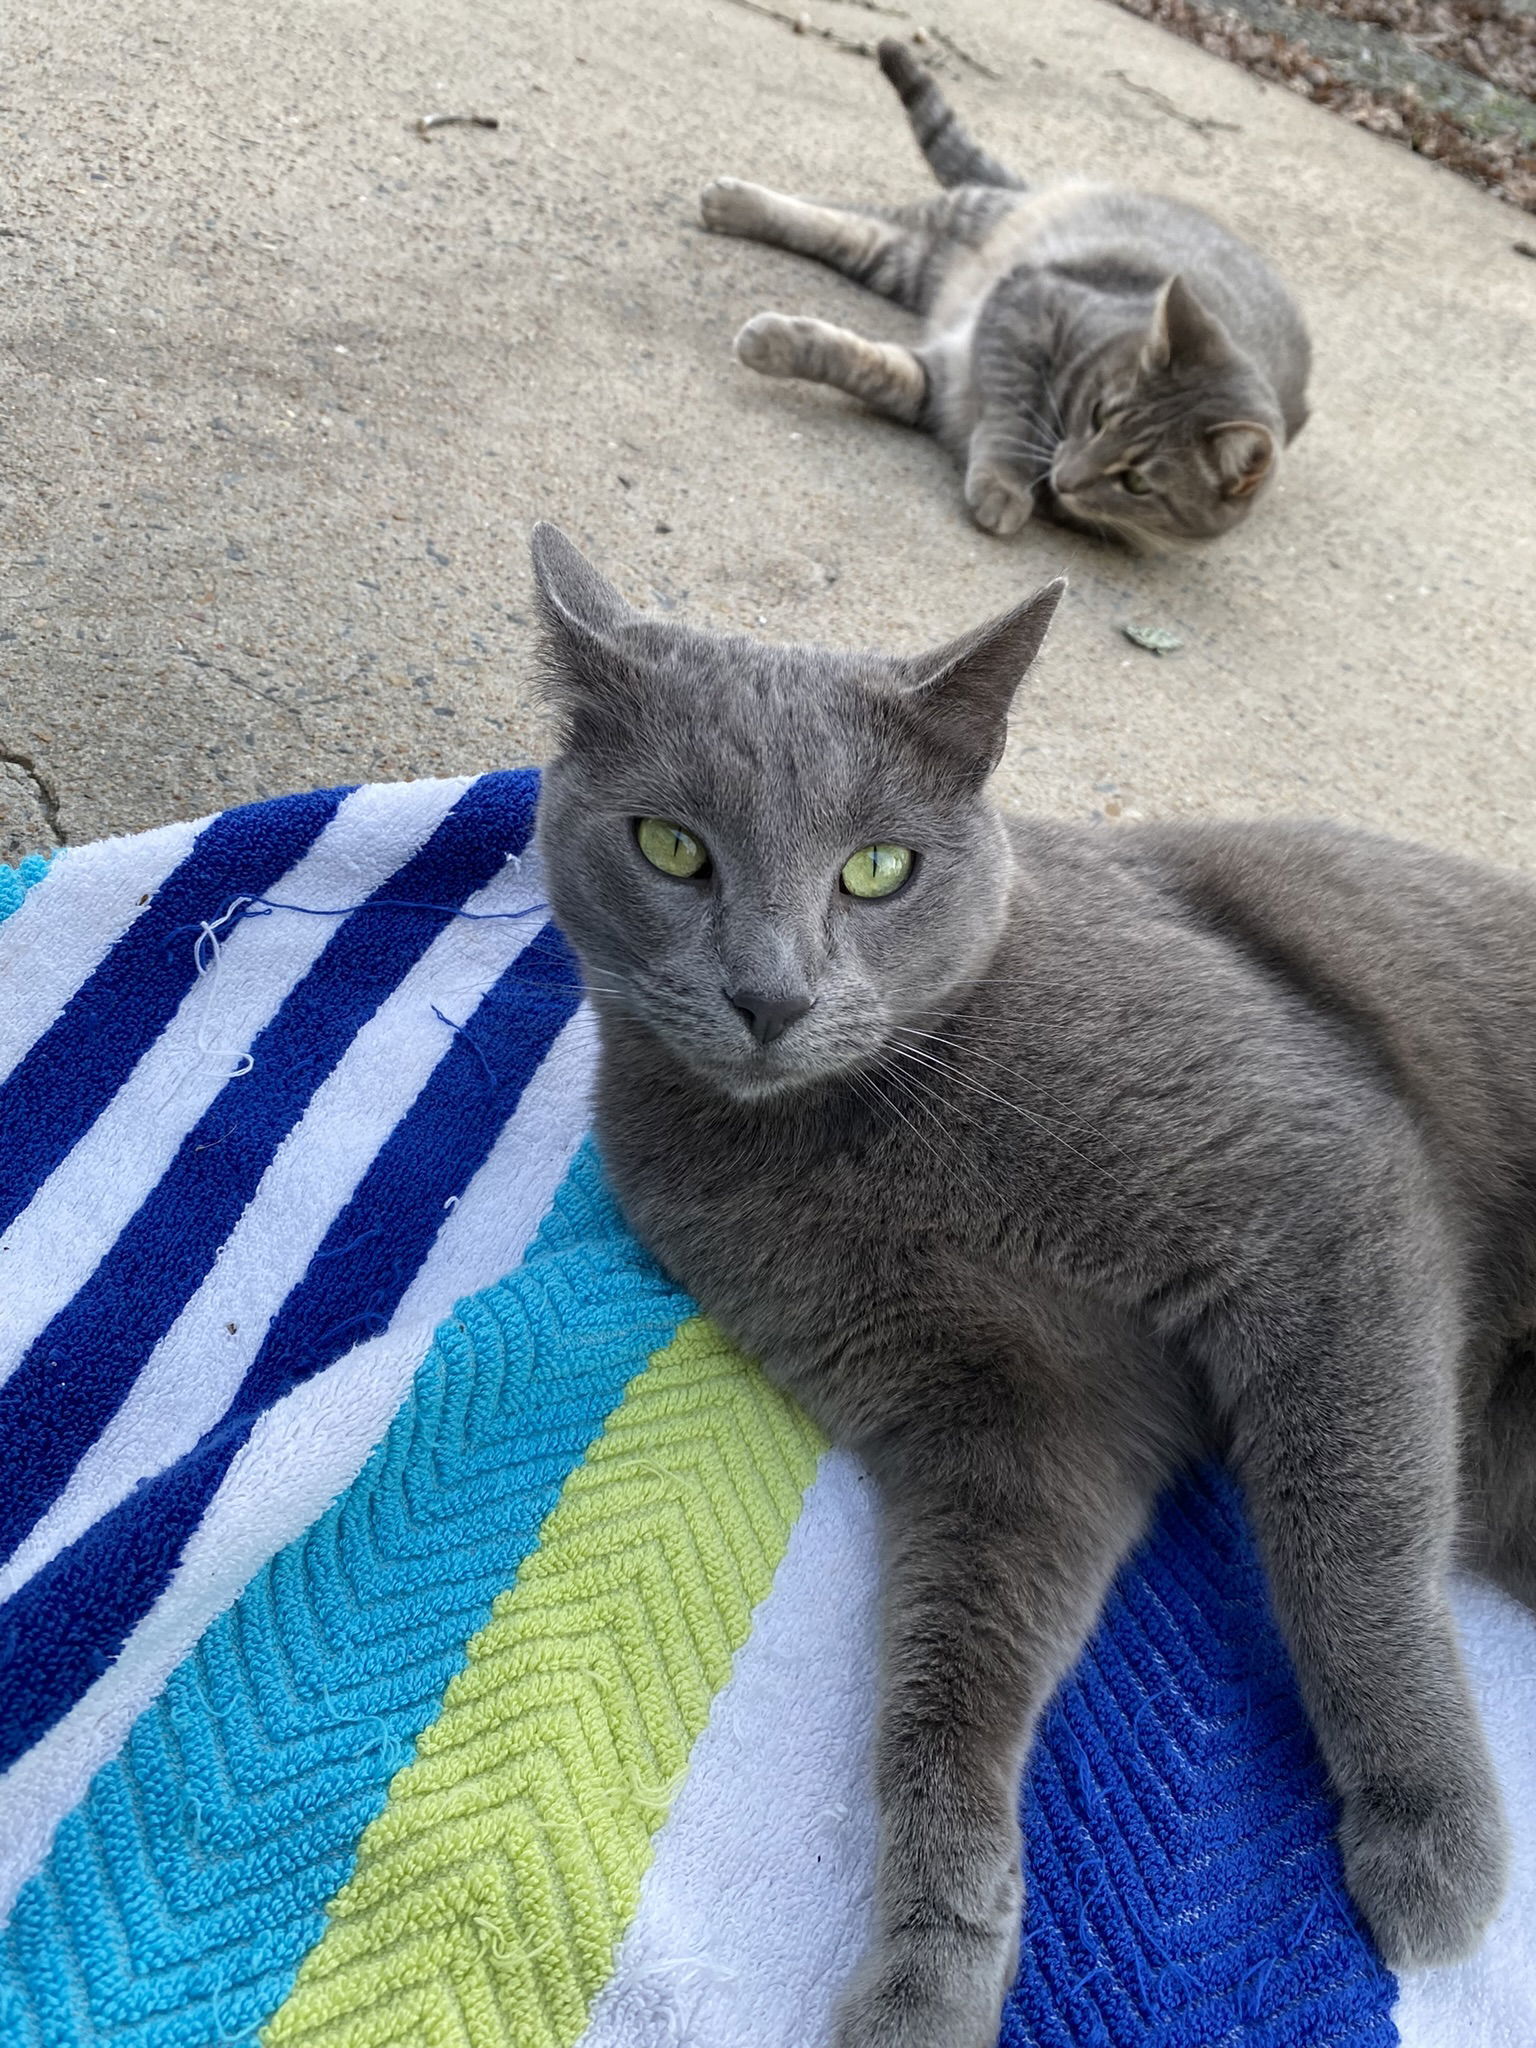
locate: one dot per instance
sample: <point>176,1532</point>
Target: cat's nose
<point>767,1017</point>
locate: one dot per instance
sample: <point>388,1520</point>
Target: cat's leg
<point>1503,1478</point>
<point>886,377</point>
<point>1018,426</point>
<point>1004,462</point>
<point>1002,1533</point>
<point>897,251</point>
<point>1345,1435</point>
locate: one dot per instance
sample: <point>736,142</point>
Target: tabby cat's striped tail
<point>954,158</point>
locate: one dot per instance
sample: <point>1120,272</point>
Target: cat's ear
<point>962,692</point>
<point>1245,454</point>
<point>583,616</point>
<point>1183,335</point>
<point>573,598</point>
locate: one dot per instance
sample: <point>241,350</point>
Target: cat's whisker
<point>1052,431</point>
<point>969,1082</point>
<point>871,1095</point>
<point>1018,1073</point>
<point>1016,447</point>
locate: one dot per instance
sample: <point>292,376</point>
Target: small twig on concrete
<point>47,795</point>
<point>425,123</point>
<point>1201,123</point>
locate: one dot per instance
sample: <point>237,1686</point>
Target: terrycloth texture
<point>506,1865</point>
<point>181,1898</point>
<point>191,1246</point>
<point>1185,1888</point>
<point>376,1690</point>
<point>15,882</point>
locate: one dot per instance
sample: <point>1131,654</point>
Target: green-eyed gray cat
<point>1036,1159</point>
<point>1117,360</point>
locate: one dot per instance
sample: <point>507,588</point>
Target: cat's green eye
<point>1135,481</point>
<point>670,848</point>
<point>877,870</point>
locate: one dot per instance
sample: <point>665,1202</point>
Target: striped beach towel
<point>419,1629</point>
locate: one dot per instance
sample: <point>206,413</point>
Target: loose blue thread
<point>463,1031</point>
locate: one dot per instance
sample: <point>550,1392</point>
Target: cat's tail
<point>953,157</point>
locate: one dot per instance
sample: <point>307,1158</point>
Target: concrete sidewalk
<point>284,387</point>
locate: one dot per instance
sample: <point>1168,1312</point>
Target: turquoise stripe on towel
<point>15,882</point>
<point>179,1899</point>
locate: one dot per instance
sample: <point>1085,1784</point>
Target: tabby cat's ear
<point>1245,454</point>
<point>1184,335</point>
<point>962,692</point>
<point>582,615</point>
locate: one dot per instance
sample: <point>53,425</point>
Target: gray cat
<point>1116,360</point>
<point>1037,1159</point>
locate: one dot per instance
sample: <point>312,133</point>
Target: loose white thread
<point>208,957</point>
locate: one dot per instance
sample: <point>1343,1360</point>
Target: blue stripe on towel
<point>62,1628</point>
<point>179,1899</point>
<point>79,1369</point>
<point>87,1053</point>
<point>1185,1883</point>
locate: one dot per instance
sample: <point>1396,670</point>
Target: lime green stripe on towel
<point>489,1895</point>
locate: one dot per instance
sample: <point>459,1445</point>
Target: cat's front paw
<point>731,206</point>
<point>996,505</point>
<point>1427,1869</point>
<point>771,344</point>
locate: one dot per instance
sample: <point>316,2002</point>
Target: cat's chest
<point>795,1238</point>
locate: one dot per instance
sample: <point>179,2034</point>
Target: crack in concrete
<point>47,795</point>
<point>1201,124</point>
<point>803,25</point>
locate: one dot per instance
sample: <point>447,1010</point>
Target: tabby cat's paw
<point>1427,1870</point>
<point>995,504</point>
<point>732,207</point>
<point>770,343</point>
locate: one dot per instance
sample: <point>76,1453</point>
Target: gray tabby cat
<point>1115,359</point>
<point>1037,1159</point>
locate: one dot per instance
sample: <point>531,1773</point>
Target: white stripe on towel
<point>75,1217</point>
<point>750,1950</point>
<point>67,924</point>
<point>304,1452</point>
<point>193,1372</point>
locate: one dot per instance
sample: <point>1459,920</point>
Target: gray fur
<point>1074,334</point>
<point>1096,1151</point>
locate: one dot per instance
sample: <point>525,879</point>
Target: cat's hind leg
<point>884,376</point>
<point>898,252</point>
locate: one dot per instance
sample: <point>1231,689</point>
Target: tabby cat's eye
<point>877,870</point>
<point>1096,417</point>
<point>1135,481</point>
<point>670,848</point>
